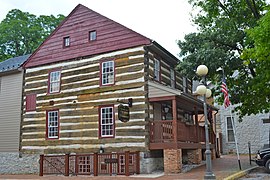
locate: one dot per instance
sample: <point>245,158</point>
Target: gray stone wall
<point>11,163</point>
<point>149,165</point>
<point>251,129</point>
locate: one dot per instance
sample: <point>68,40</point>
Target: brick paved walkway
<point>222,167</point>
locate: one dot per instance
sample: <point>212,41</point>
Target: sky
<point>164,21</point>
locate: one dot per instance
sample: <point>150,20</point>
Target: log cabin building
<point>95,86</point>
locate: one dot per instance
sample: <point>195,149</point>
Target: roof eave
<point>154,46</point>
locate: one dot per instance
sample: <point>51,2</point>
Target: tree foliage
<point>221,41</point>
<point>21,32</point>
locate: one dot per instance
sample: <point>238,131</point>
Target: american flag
<point>224,89</point>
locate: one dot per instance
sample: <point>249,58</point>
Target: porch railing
<point>161,131</point>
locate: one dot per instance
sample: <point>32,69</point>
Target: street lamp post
<point>202,71</point>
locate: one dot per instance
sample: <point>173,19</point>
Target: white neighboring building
<point>254,129</point>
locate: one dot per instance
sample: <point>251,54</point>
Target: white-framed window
<point>92,35</point>
<point>229,126</point>
<point>66,41</point>
<point>54,84</point>
<point>0,83</point>
<point>53,124</point>
<point>156,70</point>
<point>106,121</point>
<point>172,72</point>
<point>107,73</point>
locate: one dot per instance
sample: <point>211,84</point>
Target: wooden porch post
<point>66,164</point>
<point>174,109</point>
<point>41,159</point>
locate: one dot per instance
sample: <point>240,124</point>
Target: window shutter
<point>31,102</point>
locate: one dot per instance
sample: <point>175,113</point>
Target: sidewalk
<point>222,167</point>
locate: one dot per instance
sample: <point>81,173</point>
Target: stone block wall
<point>213,154</point>
<point>251,129</point>
<point>150,164</point>
<point>172,160</point>
<point>194,156</point>
<point>11,163</point>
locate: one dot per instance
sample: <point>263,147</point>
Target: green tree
<point>260,54</point>
<point>219,42</point>
<point>21,32</point>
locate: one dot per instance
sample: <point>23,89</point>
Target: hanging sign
<point>123,113</point>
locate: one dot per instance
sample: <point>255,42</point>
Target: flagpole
<point>235,138</point>
<point>226,105</point>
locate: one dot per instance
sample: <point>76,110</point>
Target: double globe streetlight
<point>202,71</point>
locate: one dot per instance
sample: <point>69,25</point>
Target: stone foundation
<point>194,156</point>
<point>149,164</point>
<point>172,161</point>
<point>213,154</point>
<point>11,163</point>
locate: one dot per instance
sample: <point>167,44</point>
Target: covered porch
<point>177,120</point>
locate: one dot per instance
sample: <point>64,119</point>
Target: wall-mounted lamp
<point>101,150</point>
<point>166,109</point>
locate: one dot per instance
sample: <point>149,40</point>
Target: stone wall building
<point>254,129</point>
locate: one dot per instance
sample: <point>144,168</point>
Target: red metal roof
<point>111,36</point>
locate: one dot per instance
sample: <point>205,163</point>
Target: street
<point>258,174</point>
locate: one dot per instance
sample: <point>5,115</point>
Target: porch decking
<point>176,134</point>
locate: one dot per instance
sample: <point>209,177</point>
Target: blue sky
<point>161,20</point>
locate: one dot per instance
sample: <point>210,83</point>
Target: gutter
<point>3,73</point>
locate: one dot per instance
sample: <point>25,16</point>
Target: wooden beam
<point>164,98</point>
<point>66,164</point>
<point>127,163</point>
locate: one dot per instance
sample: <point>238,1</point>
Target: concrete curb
<point>240,174</point>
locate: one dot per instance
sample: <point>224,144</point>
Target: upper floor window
<point>54,81</point>
<point>107,73</point>
<point>172,78</point>
<point>92,35</point>
<point>66,41</point>
<point>230,133</point>
<point>30,102</point>
<point>156,70</point>
<point>106,121</point>
<point>52,124</point>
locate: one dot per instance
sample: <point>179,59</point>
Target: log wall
<point>78,102</point>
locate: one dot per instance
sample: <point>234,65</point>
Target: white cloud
<point>161,20</point>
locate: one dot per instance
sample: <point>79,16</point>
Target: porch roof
<point>159,92</point>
